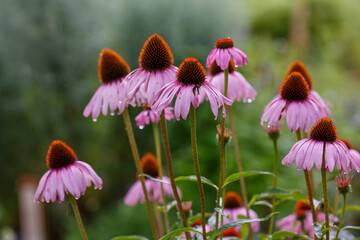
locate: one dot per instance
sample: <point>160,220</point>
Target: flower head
<point>238,88</point>
<point>66,175</point>
<point>309,151</point>
<point>155,69</point>
<point>301,209</point>
<point>112,69</point>
<point>296,103</point>
<point>227,134</point>
<point>224,50</point>
<point>148,116</point>
<point>273,131</point>
<point>231,233</point>
<point>190,83</point>
<point>149,165</point>
<point>354,154</point>
<point>343,183</point>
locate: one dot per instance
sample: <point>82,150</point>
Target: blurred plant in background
<point>48,64</point>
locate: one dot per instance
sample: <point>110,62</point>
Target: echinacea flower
<point>112,69</point>
<point>197,225</point>
<point>148,116</point>
<point>296,103</point>
<point>227,134</point>
<point>190,83</point>
<point>238,88</point>
<point>66,175</point>
<point>149,165</point>
<point>273,130</point>
<point>156,69</point>
<point>309,151</point>
<point>298,66</point>
<point>292,223</point>
<point>343,183</point>
<point>354,154</point>
<point>224,50</point>
<point>233,207</point>
<point>231,234</point>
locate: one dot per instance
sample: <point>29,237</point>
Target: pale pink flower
<point>185,205</point>
<point>156,69</point>
<point>66,175</point>
<point>296,103</point>
<point>148,116</point>
<point>224,50</point>
<point>309,151</point>
<point>112,69</point>
<point>150,167</point>
<point>354,154</point>
<point>188,86</point>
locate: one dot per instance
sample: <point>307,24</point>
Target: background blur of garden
<point>48,72</point>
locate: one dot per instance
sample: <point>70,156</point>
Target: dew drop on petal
<point>120,102</point>
<point>94,119</point>
<point>112,114</point>
<point>249,100</point>
<point>141,127</point>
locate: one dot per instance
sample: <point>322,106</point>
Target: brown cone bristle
<point>191,72</point>
<point>298,66</point>
<point>324,130</point>
<point>231,233</point>
<point>111,66</point>
<point>224,43</point>
<point>215,69</point>
<point>149,165</point>
<point>232,200</point>
<point>347,142</point>
<point>301,207</point>
<point>294,88</point>
<point>155,54</point>
<point>60,155</point>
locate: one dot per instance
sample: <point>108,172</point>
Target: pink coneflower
<point>343,183</point>
<point>292,223</point>
<point>190,83</point>
<point>156,69</point>
<point>233,207</point>
<point>231,234</point>
<point>112,69</point>
<point>149,165</point>
<point>296,103</point>
<point>273,130</point>
<point>354,154</point>
<point>238,88</point>
<point>298,66</point>
<point>224,50</point>
<point>148,116</point>
<point>66,175</point>
<point>309,151</point>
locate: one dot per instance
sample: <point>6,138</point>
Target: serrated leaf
<point>238,223</point>
<point>134,237</point>
<point>237,176</point>
<point>193,178</point>
<point>154,179</point>
<point>280,234</point>
<point>178,231</point>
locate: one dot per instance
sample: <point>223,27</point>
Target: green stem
<point>303,226</point>
<point>77,216</point>
<point>342,216</point>
<point>197,167</point>
<point>271,226</point>
<point>136,157</point>
<point>326,202</point>
<point>165,138</point>
<point>158,156</point>
<point>159,223</point>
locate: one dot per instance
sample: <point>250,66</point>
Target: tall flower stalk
<point>326,202</point>
<point>136,157</point>
<point>78,217</point>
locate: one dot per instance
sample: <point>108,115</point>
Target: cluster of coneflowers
<point>153,87</point>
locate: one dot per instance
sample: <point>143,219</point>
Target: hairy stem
<point>326,202</point>
<point>271,226</point>
<point>136,157</point>
<point>342,216</point>
<point>77,216</point>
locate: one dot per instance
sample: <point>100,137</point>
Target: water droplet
<point>112,114</point>
<point>94,119</point>
<point>141,127</point>
<point>120,102</point>
<point>269,126</point>
<point>249,100</point>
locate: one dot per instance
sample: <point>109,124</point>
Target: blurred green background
<point>48,73</point>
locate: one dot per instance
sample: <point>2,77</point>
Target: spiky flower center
<point>347,142</point>
<point>224,43</point>
<point>111,66</point>
<point>343,183</point>
<point>301,207</point>
<point>150,165</point>
<point>191,72</point>
<point>60,155</point>
<point>324,130</point>
<point>294,87</point>
<point>232,200</point>
<point>215,69</point>
<point>155,54</point>
<point>231,233</point>
<point>298,66</point>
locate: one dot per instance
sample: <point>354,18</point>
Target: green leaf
<point>168,206</point>
<point>178,231</point>
<point>261,202</point>
<point>237,176</point>
<point>280,234</point>
<point>238,223</point>
<point>351,227</point>
<point>134,237</point>
<point>253,199</point>
<point>282,194</point>
<point>193,178</point>
<point>352,208</point>
<point>152,178</point>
